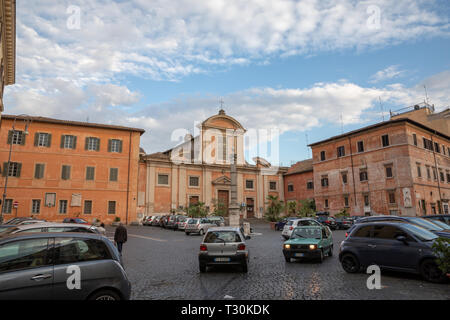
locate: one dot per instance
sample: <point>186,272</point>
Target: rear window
<point>192,221</point>
<point>71,250</point>
<point>222,237</point>
<point>307,223</point>
<point>289,223</point>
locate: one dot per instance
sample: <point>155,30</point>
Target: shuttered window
<point>65,174</point>
<point>42,139</point>
<point>113,174</point>
<point>39,170</point>
<point>111,207</point>
<point>90,173</point>
<point>92,144</point>
<point>68,142</point>
<point>13,170</point>
<point>87,206</point>
<point>36,206</point>
<point>16,137</point>
<point>62,206</point>
<point>114,145</point>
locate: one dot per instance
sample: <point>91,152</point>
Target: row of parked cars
<point>184,223</point>
<point>39,259</point>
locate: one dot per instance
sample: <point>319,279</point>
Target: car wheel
<point>202,268</point>
<point>330,253</point>
<point>321,257</point>
<point>430,271</point>
<point>201,232</point>
<point>187,233</point>
<point>350,263</point>
<point>245,267</point>
<point>105,295</point>
<point>287,259</point>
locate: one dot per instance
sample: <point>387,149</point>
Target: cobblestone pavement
<point>163,264</point>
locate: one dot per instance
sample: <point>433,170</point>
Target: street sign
<point>15,204</point>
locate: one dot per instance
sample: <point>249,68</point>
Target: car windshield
<point>426,224</point>
<point>307,223</point>
<point>420,232</point>
<point>307,233</point>
<point>192,221</point>
<point>222,237</point>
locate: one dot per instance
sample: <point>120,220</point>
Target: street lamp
<point>27,120</point>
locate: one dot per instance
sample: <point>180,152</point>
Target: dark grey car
<point>38,266</point>
<point>391,245</point>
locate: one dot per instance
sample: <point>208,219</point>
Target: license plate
<point>222,259</point>
<point>299,254</point>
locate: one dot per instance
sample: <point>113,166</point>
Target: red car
<point>75,220</point>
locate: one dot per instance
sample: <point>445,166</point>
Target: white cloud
<point>388,73</point>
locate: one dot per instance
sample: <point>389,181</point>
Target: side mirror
<point>247,237</point>
<point>402,239</point>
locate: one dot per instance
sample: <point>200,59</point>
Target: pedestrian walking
<point>120,236</point>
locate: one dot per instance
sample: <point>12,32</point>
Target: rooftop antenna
<point>307,149</point>
<point>381,107</point>
<point>221,103</point>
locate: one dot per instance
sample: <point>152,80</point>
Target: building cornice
<point>9,36</point>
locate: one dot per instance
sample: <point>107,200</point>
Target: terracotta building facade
<point>397,167</point>
<point>64,169</point>
<point>198,170</point>
<point>299,182</point>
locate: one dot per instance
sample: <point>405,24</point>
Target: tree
<point>274,209</point>
<point>441,248</point>
<point>307,208</point>
<point>342,213</point>
<point>197,210</point>
<point>292,208</point>
<point>220,209</point>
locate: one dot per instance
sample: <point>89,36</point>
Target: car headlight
<point>312,246</point>
<point>287,246</point>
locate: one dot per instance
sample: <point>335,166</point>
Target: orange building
<point>64,169</point>
<point>198,170</point>
<point>398,167</point>
<point>299,182</point>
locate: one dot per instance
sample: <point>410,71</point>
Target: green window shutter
<point>24,136</point>
<point>98,144</point>
<point>62,141</point>
<point>49,140</point>
<point>74,142</point>
<point>120,146</point>
<point>36,139</point>
<point>109,145</point>
<point>36,170</point>
<point>41,171</point>
<point>10,134</point>
<point>113,174</point>
<point>5,169</point>
<point>86,143</point>
<point>19,168</point>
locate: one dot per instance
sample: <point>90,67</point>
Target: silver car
<point>54,227</point>
<point>62,266</point>
<point>198,225</point>
<point>224,246</point>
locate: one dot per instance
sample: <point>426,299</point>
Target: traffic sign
<point>15,204</point>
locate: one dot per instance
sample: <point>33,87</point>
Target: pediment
<point>223,180</point>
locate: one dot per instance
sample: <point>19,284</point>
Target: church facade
<point>198,170</point>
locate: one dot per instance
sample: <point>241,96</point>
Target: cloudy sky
<point>307,69</point>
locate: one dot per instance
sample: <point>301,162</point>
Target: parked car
<point>280,224</point>
<point>424,223</point>
<point>223,246</point>
<point>54,227</point>
<point>292,224</point>
<point>391,245</point>
<point>23,220</point>
<point>219,221</point>
<point>163,221</point>
<point>308,242</point>
<point>147,220</point>
<point>445,218</point>
<point>37,266</point>
<point>343,223</point>
<point>181,222</point>
<point>198,225</point>
<point>155,221</point>
<point>75,220</point>
<point>327,221</point>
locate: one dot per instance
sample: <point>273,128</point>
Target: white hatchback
<point>292,224</point>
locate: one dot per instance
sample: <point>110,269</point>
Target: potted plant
<point>273,210</point>
<point>116,221</point>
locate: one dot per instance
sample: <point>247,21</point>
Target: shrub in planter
<point>441,248</point>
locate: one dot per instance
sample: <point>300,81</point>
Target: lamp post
<point>27,121</point>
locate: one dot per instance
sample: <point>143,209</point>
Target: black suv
<point>391,245</point>
<point>327,221</point>
<point>445,218</point>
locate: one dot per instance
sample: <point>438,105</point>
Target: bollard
<point>246,228</point>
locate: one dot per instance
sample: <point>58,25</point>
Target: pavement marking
<point>144,237</point>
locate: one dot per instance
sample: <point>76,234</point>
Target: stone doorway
<point>250,205</point>
<point>223,198</point>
